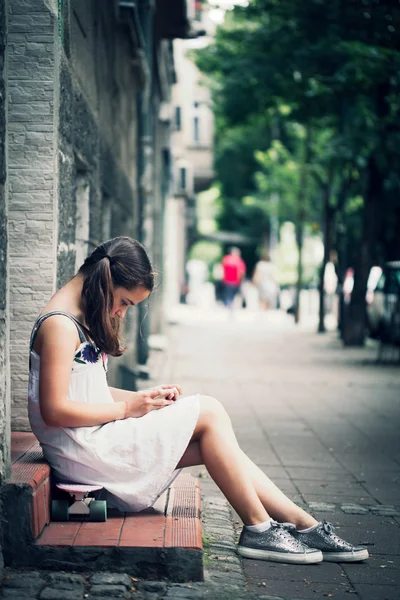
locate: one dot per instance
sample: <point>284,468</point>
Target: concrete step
<point>163,541</point>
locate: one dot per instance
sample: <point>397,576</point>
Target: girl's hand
<point>174,390</point>
<point>141,403</point>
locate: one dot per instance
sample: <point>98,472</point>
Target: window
<point>106,214</point>
<point>182,178</point>
<point>178,118</point>
<point>196,129</point>
<point>82,219</point>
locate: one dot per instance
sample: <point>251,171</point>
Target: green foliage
<point>277,67</point>
<point>209,252</point>
<point>235,164</point>
<point>208,207</point>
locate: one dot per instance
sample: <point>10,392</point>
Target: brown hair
<point>120,262</point>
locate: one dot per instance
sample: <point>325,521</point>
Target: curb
<point>223,572</point>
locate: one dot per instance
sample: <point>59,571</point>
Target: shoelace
<point>326,526</point>
<point>329,529</point>
<point>283,529</point>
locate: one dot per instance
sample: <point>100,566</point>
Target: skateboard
<point>82,503</point>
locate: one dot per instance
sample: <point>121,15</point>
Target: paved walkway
<point>322,421</point>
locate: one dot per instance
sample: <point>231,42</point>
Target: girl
<point>133,443</point>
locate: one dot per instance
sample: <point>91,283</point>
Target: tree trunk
<point>301,214</point>
<point>328,220</point>
<point>342,249</point>
<point>354,329</point>
<point>355,321</point>
<point>299,284</point>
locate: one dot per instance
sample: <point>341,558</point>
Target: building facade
<point>4,317</point>
<point>192,147</point>
<point>84,156</point>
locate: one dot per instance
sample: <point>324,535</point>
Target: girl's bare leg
<point>279,506</point>
<point>275,502</point>
<point>220,452</point>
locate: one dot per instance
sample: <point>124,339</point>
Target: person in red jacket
<point>234,271</point>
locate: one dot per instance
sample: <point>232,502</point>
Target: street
<point>322,421</point>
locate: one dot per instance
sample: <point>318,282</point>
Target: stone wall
<point>4,321</point>
<point>74,79</point>
<point>32,146</point>
<point>72,126</point>
<point>97,126</point>
<point>97,139</point>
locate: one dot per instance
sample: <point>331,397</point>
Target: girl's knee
<point>212,409</point>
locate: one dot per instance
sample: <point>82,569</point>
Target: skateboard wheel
<point>59,510</point>
<point>98,510</point>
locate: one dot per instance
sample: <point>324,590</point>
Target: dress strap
<point>82,336</point>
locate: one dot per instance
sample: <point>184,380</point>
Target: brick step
<point>26,496</point>
<point>164,541</point>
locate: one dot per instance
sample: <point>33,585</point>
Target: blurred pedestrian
<point>234,271</point>
<point>330,285</point>
<point>265,280</point>
<point>218,275</point>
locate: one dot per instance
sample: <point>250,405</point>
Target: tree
<point>343,74</point>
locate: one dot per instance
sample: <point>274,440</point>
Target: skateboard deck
<point>80,488</point>
<point>82,504</point>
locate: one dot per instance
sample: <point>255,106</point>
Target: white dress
<point>134,459</point>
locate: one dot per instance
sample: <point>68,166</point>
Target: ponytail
<point>121,262</point>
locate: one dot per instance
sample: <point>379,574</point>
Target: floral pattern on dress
<point>89,353</point>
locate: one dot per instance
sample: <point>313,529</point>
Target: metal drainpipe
<point>146,10</point>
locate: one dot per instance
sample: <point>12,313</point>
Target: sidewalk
<point>322,421</point>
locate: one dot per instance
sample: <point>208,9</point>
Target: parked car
<point>383,304</point>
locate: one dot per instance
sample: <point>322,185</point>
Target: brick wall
<point>4,320</point>
<point>72,114</point>
<point>32,144</point>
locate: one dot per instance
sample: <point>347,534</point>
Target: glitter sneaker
<point>333,548</point>
<point>276,544</point>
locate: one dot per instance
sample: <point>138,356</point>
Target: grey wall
<point>4,357</point>
<point>97,136</point>
<point>73,83</point>
<point>4,362</point>
<point>72,114</point>
<point>97,125</point>
<point>32,148</point>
